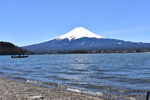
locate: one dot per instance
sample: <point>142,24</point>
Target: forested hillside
<point>7,48</point>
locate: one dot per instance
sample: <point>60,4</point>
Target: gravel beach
<point>14,90</point>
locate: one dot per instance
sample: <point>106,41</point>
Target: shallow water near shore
<point>123,76</point>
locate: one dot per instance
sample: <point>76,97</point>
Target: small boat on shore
<point>20,56</point>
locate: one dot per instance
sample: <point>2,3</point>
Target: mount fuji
<point>79,32</point>
<point>82,39</point>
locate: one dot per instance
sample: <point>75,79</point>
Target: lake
<point>122,76</point>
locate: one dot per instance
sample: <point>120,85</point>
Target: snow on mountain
<point>79,32</point>
<point>82,39</point>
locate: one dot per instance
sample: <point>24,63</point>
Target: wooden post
<point>147,97</point>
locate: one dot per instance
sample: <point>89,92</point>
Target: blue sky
<point>25,22</point>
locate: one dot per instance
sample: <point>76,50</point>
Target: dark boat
<point>20,56</point>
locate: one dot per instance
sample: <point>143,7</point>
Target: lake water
<point>118,76</point>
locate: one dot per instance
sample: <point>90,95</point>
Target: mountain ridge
<point>79,32</point>
<point>7,48</point>
<point>82,39</point>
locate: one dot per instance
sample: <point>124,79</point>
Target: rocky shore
<point>14,90</point>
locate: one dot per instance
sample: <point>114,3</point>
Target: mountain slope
<point>79,32</point>
<point>82,39</point>
<point>7,48</point>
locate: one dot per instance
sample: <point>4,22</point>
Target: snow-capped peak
<point>79,32</point>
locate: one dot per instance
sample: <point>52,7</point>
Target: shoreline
<point>15,90</point>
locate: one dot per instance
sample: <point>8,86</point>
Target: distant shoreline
<point>86,53</point>
<point>76,53</point>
